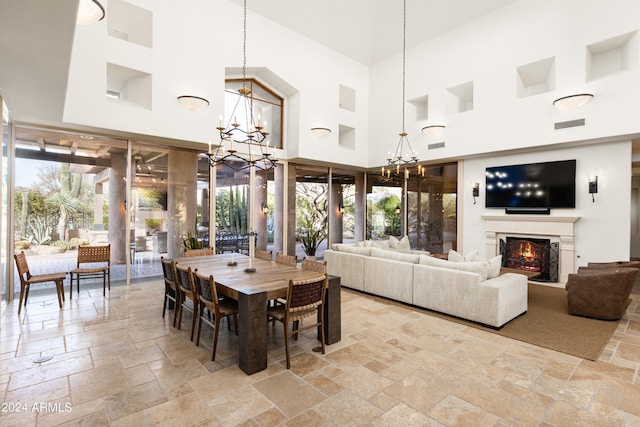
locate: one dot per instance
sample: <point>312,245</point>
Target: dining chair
<point>199,252</point>
<point>311,265</point>
<point>290,260</point>
<point>305,298</point>
<point>27,279</point>
<point>265,255</point>
<point>92,262</point>
<point>186,289</point>
<point>219,307</point>
<point>170,289</point>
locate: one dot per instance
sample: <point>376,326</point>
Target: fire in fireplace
<point>533,255</point>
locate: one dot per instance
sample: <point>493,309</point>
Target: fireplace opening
<point>531,255</point>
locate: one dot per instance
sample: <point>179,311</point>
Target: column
<point>117,210</point>
<point>181,199</point>
<point>360,208</point>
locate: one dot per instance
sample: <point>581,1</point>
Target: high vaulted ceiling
<point>36,38</point>
<point>371,30</point>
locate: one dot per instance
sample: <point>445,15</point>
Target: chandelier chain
<point>251,132</point>
<point>244,44</point>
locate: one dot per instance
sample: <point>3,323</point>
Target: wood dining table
<point>253,290</point>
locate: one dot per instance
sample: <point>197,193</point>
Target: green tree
<point>388,205</point>
<point>311,215</point>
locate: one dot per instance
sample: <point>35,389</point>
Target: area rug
<point>548,324</point>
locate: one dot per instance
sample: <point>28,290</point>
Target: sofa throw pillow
<point>405,245</point>
<point>402,245</point>
<point>455,256</point>
<point>394,243</point>
<point>493,266</point>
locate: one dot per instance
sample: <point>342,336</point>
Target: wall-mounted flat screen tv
<point>533,185</point>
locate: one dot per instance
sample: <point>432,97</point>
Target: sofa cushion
<point>493,267</point>
<point>455,256</point>
<point>351,249</point>
<point>478,267</point>
<point>394,255</point>
<point>382,244</point>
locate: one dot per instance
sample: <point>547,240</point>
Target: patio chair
<point>169,274</point>
<point>264,255</point>
<point>93,261</point>
<point>219,307</point>
<point>27,279</point>
<point>186,289</point>
<point>305,298</point>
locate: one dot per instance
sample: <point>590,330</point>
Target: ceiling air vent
<point>436,145</point>
<point>569,124</point>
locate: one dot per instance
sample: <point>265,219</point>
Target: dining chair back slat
<point>290,260</point>
<point>186,289</point>
<point>170,289</point>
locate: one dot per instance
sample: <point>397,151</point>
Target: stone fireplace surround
<point>554,228</point>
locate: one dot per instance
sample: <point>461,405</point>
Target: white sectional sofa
<point>470,290</point>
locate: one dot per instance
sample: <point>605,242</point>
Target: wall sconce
<point>398,210</point>
<point>572,101</point>
<point>264,208</point>
<point>475,191</point>
<point>593,187</point>
<point>193,103</point>
<point>321,132</point>
<point>434,130</point>
<point>341,208</point>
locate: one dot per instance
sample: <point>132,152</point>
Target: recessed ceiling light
<point>86,137</point>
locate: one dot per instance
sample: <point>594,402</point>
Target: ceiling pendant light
<point>572,101</point>
<point>90,12</point>
<point>404,154</point>
<point>193,103</point>
<point>243,128</point>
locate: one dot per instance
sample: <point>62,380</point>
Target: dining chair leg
<point>26,294</point>
<point>58,290</point>
<point>215,338</point>
<point>193,318</point>
<point>104,283</point>
<point>179,307</point>
<point>164,304</point>
<point>199,326</point>
<point>235,321</point>
<point>286,343</point>
<point>22,292</point>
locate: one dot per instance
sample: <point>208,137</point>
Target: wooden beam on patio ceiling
<point>61,158</point>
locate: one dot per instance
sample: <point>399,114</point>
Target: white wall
<point>603,231</point>
<point>488,52</point>
<point>193,43</point>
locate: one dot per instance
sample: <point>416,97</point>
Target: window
<point>265,106</point>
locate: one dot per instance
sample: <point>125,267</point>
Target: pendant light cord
<point>404,49</point>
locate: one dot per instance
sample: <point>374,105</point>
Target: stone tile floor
<point>117,362</point>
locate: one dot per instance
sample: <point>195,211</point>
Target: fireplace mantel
<point>560,227</point>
